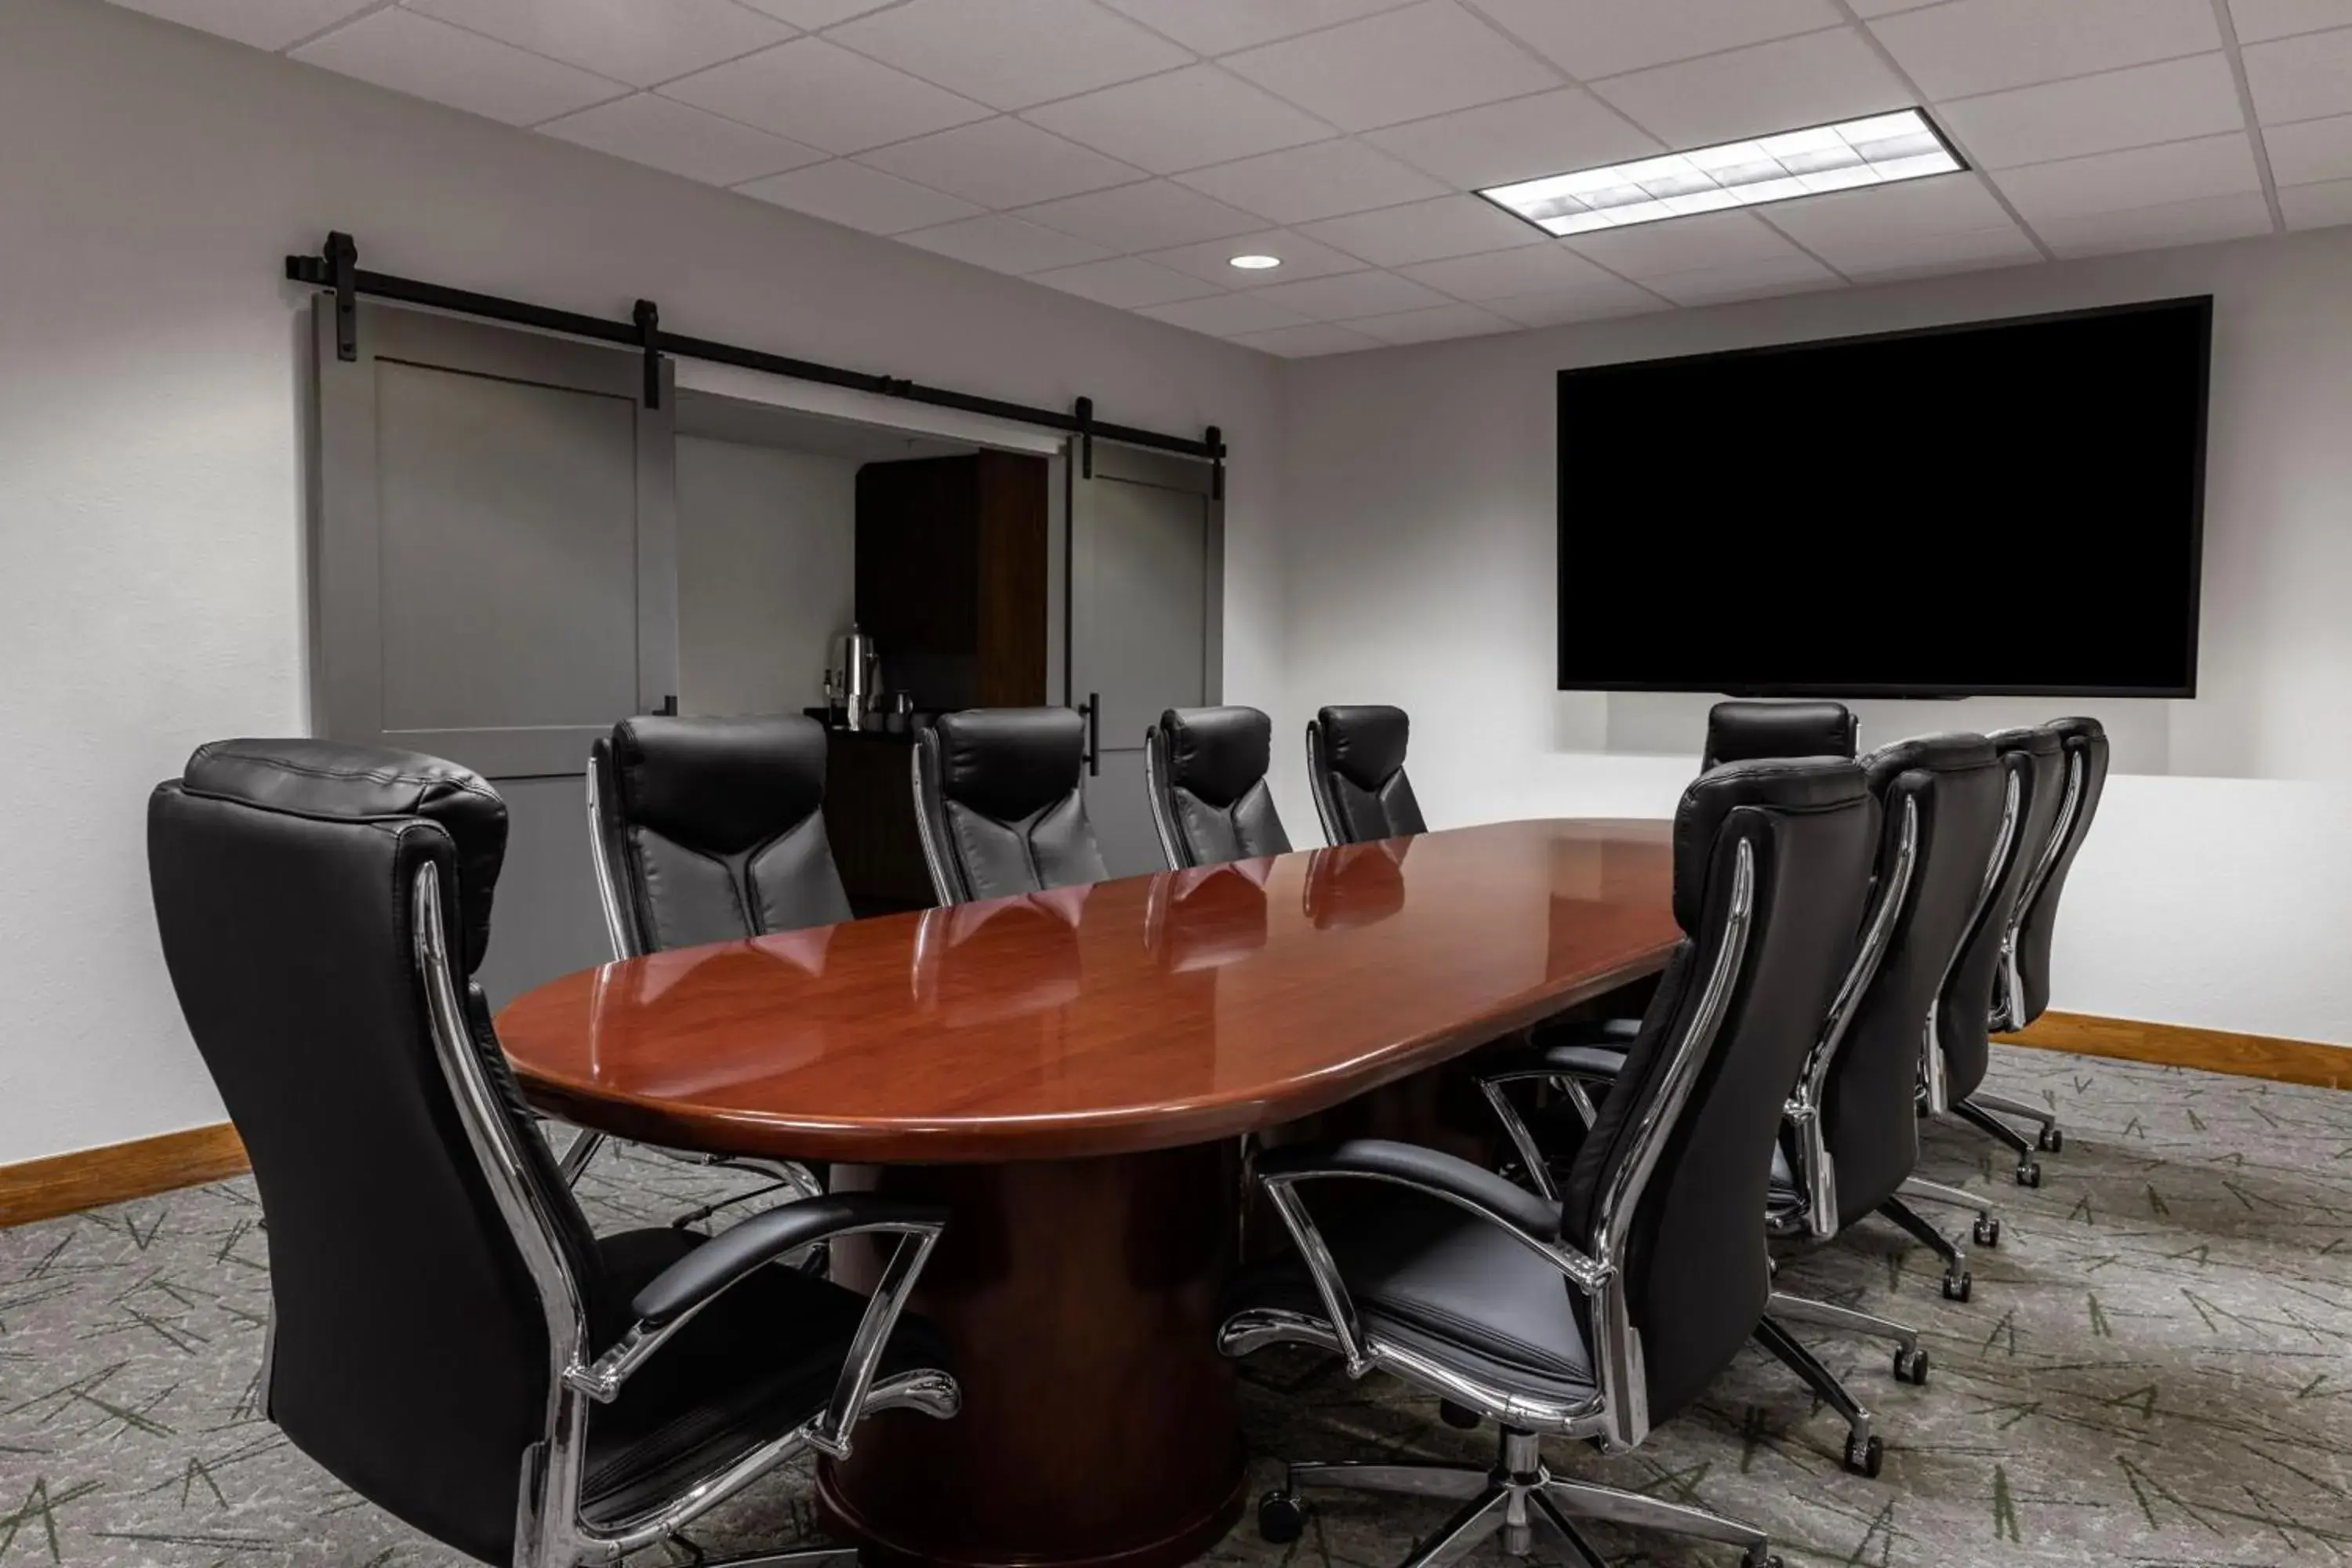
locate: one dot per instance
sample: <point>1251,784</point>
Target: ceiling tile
<point>1004,244</point>
<point>1149,215</point>
<point>413,54</point>
<point>1523,139</point>
<point>1126,281</point>
<point>2146,228</point>
<point>816,13</point>
<point>852,194</point>
<point>2301,78</point>
<point>1303,342</point>
<point>1210,261</point>
<point>1323,180</point>
<point>1225,315</point>
<point>1923,255</point>
<point>2134,177</point>
<point>1713,240</point>
<point>1792,274</point>
<point>1982,45</point>
<point>2168,102</point>
<point>1001,163</point>
<point>1181,120</point>
<point>1221,26</point>
<point>638,41</point>
<point>264,23</point>
<point>663,134</point>
<point>1500,274</point>
<point>822,94</point>
<point>1593,38</point>
<point>1012,53</point>
<point>1946,204</point>
<point>1429,326</point>
<point>2260,19</point>
<point>1425,59</point>
<point>1366,293</point>
<point>2317,206</point>
<point>1764,87</point>
<point>2310,150</point>
<point>1426,231</point>
<point>1560,306</point>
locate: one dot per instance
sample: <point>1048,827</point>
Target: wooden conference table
<point>1070,1072</point>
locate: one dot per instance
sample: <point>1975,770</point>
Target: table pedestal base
<point>1099,1426</point>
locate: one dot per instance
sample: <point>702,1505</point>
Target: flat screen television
<point>2011,507</point>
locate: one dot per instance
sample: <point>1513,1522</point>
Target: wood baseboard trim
<point>2181,1046</point>
<point>66,1183</point>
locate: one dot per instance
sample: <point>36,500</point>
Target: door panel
<point>1146,585</point>
<point>545,921</point>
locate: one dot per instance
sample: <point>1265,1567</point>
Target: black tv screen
<point>2006,507</point>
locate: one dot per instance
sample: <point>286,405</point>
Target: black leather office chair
<point>999,803</point>
<point>448,1337</point>
<point>1205,771</point>
<point>1355,770</point>
<point>2025,988</point>
<point>1739,731</point>
<point>709,829</point>
<point>1964,1016</point>
<point>1612,1308</point>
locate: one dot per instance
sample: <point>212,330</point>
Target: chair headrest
<point>1010,762</point>
<point>1738,731</point>
<point>1774,784</point>
<point>2077,731</point>
<point>1217,753</point>
<point>2041,739</point>
<point>340,782</point>
<point>1365,743</point>
<point>722,785</point>
<point>1948,753</point>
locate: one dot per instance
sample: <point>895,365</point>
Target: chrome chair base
<point>1987,1232</point>
<point>1958,1284</point>
<point>1518,1500</point>
<point>1973,1111</point>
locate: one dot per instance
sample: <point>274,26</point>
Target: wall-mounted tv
<point>2011,507</point>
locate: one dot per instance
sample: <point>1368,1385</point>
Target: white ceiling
<point>1123,150</point>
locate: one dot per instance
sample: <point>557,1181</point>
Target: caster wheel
<point>1866,1458</point>
<point>1911,1366</point>
<point>1759,1558</point>
<point>1960,1288</point>
<point>2029,1173</point>
<point>1281,1518</point>
<point>1460,1415</point>
<point>1986,1231</point>
<point>2051,1140</point>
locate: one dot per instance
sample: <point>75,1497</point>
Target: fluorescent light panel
<point>1878,150</point>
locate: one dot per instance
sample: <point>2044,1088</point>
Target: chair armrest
<point>736,1251</point>
<point>1593,1063</point>
<point>1430,1170</point>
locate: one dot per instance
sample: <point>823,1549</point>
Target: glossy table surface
<point>1145,1013</point>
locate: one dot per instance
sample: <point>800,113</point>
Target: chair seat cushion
<point>1428,1277</point>
<point>757,1361</point>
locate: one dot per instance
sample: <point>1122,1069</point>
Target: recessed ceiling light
<point>1257,263</point>
<point>1878,150</point>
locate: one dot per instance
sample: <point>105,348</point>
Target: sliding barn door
<point>494,581</point>
<point>1146,592</point>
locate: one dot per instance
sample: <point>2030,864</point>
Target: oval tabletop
<point>1144,1013</point>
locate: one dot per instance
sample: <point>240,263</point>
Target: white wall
<point>151,180</point>
<point>2217,887</point>
<point>767,553</point>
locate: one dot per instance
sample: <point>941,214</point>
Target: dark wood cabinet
<point>951,577</point>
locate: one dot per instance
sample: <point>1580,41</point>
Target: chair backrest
<point>1742,730</point>
<point>417,1308</point>
<point>1939,801</point>
<point>1000,802</point>
<point>2084,744</point>
<point>1772,863</point>
<point>710,830</point>
<point>2036,762</point>
<point>1355,769</point>
<point>1205,769</point>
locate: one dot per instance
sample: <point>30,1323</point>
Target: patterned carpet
<point>2153,1371</point>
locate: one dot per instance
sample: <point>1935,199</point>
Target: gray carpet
<point>2153,1370</point>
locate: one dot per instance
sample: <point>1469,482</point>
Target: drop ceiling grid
<point>1059,139</point>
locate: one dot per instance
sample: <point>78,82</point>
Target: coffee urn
<point>857,676</point>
